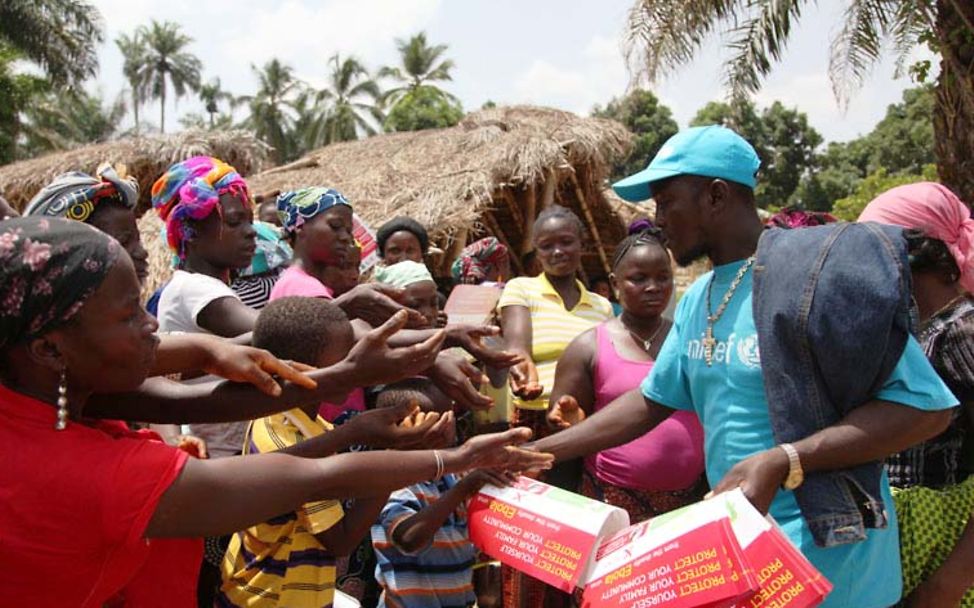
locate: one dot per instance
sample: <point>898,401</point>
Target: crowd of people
<point>275,428</point>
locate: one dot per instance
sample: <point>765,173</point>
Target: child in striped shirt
<point>290,560</point>
<point>425,557</point>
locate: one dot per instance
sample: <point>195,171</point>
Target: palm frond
<point>858,45</point>
<point>758,42</point>
<point>664,34</point>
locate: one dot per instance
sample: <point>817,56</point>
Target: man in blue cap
<point>801,395</point>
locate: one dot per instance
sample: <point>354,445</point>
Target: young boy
<point>290,559</point>
<point>425,557</point>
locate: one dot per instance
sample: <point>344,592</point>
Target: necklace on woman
<point>712,317</point>
<point>646,343</point>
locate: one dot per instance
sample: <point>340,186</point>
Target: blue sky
<point>564,53</point>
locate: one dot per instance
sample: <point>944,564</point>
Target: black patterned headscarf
<point>76,195</point>
<point>49,267</point>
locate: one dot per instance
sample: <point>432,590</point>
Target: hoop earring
<point>62,402</point>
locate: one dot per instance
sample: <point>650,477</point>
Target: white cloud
<point>577,86</point>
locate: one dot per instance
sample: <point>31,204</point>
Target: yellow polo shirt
<point>280,562</point>
<point>552,326</point>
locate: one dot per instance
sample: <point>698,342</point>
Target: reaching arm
<point>370,362</point>
<point>211,498</point>
<point>868,433</point>
<point>626,418</point>
<point>573,395</point>
<point>516,328</point>
<point>342,538</point>
<point>227,317</point>
<point>416,532</point>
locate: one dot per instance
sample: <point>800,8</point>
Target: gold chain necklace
<point>712,317</point>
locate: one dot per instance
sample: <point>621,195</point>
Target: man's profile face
<point>680,204</point>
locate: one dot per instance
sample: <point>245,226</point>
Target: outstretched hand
<point>373,361</point>
<point>471,339</point>
<point>499,452</point>
<point>524,380</point>
<point>254,366</point>
<point>758,476</point>
<point>403,427</point>
<point>375,304</point>
<point>565,413</point>
<point>459,380</point>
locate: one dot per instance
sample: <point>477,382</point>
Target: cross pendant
<point>708,346</point>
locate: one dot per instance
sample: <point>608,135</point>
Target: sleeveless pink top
<point>668,458</point>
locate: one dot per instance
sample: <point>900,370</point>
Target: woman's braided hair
<point>641,233</point>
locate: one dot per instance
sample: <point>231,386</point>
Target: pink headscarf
<point>936,211</point>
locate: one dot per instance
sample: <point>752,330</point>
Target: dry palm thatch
<point>144,157</point>
<point>491,174</point>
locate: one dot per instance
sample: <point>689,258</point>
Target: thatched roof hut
<point>144,157</point>
<point>491,174</point>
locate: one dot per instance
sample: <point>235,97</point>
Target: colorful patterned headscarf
<point>48,269</point>
<point>75,195</point>
<point>190,191</point>
<point>935,210</point>
<point>477,259</point>
<point>402,274</point>
<point>789,217</point>
<point>296,207</point>
<point>272,251</point>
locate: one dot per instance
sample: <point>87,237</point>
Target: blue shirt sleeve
<point>667,383</point>
<point>915,383</point>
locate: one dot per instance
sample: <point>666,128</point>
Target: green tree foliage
<point>60,120</point>
<point>61,36</point>
<point>422,65</point>
<point>650,121</point>
<point>873,185</point>
<point>663,35</point>
<point>350,102</point>
<point>16,92</point>
<point>212,94</point>
<point>782,137</point>
<point>168,63</point>
<point>134,59</point>
<point>423,108</point>
<point>272,107</point>
<point>902,142</point>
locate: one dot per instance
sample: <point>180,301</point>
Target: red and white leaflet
<point>365,239</point>
<point>541,530</point>
<point>471,304</point>
<point>785,577</point>
<point>684,559</point>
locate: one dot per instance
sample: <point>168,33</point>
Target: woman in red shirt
<point>81,500</point>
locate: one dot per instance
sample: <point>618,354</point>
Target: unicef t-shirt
<point>730,401</point>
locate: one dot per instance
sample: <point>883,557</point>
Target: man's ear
<point>719,192</point>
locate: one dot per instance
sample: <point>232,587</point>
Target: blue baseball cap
<point>712,151</point>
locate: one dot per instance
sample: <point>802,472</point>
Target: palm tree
<point>421,64</point>
<point>62,36</point>
<point>271,115</point>
<point>211,94</point>
<point>665,34</point>
<point>351,96</point>
<point>165,60</point>
<point>62,120</point>
<point>134,59</point>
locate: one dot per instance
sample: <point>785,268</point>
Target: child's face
<point>339,343</point>
<point>423,298</point>
<point>228,239</point>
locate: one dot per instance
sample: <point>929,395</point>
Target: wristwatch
<point>795,473</point>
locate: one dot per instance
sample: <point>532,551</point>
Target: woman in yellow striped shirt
<point>540,316</point>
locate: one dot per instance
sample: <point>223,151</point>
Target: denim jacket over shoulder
<point>832,307</point>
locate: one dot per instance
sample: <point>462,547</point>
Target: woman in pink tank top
<point>663,469</point>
